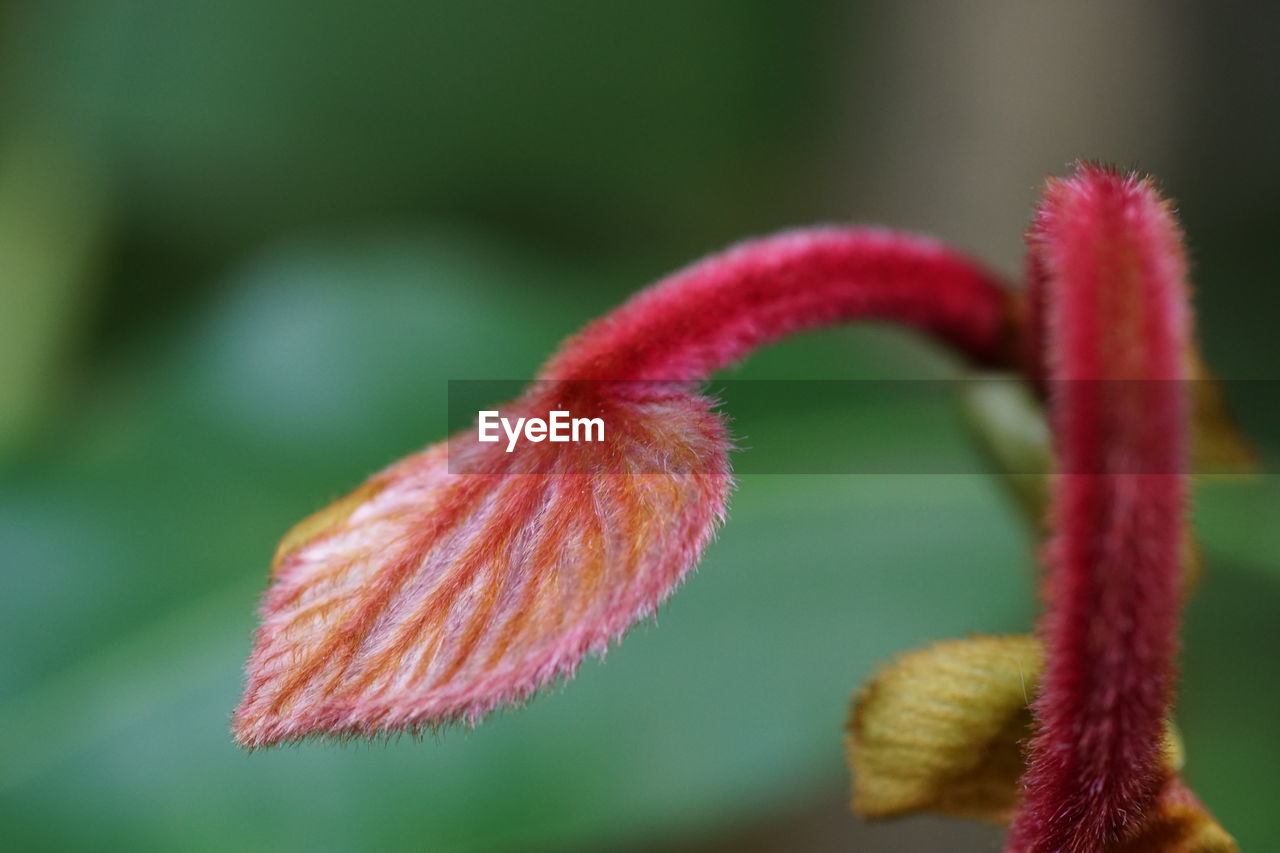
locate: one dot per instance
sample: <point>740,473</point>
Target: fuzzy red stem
<point>717,311</point>
<point>1115,327</point>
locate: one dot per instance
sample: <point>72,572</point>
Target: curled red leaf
<point>464,578</point>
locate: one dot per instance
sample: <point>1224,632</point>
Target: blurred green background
<point>244,245</point>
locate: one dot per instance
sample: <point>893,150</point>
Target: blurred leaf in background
<point>51,218</point>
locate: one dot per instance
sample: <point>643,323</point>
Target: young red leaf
<point>466,577</point>
<point>442,595</point>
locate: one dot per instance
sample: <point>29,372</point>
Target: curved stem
<point>715,312</point>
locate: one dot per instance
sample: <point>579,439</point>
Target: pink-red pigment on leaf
<point>1110,311</point>
<point>461,579</point>
<point>442,595</point>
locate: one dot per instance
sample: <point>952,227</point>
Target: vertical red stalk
<point>1112,317</point>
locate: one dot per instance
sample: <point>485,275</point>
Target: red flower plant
<point>464,578</point>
